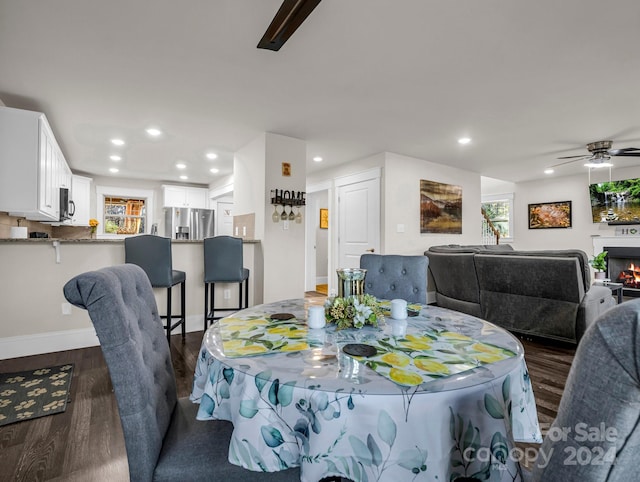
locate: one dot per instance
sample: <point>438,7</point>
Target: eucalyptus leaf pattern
<point>334,415</point>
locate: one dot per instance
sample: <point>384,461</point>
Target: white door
<point>359,221</point>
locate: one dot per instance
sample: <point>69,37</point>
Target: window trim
<point>102,191</point>
<point>503,197</point>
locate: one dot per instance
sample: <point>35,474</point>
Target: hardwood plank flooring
<point>85,443</point>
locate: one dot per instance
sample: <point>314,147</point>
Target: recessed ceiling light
<point>117,142</point>
<point>181,165</point>
<point>213,170</point>
<point>184,178</point>
<point>464,140</point>
<point>317,159</point>
<point>211,155</point>
<point>115,158</point>
<point>548,171</point>
<point>152,131</point>
<point>113,169</point>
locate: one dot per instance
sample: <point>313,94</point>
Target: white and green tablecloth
<point>447,399</point>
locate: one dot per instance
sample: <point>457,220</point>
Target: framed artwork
<point>550,215</point>
<point>324,218</point>
<point>286,169</point>
<point>440,208</point>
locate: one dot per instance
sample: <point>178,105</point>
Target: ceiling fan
<point>600,153</point>
<point>286,21</point>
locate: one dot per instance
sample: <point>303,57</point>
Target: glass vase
<point>351,282</point>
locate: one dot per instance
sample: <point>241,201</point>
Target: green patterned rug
<point>34,393</point>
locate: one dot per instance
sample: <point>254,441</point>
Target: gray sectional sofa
<point>542,293</point>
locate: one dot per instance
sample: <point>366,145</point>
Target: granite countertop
<point>106,240</point>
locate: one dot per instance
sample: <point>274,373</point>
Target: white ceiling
<point>528,80</point>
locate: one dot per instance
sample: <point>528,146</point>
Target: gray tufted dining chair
<point>596,435</point>
<point>164,441</point>
<point>391,276</point>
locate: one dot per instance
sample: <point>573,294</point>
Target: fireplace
<point>623,266</point>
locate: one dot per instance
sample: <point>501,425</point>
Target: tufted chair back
<point>393,276</point>
<point>600,407</point>
<point>123,310</point>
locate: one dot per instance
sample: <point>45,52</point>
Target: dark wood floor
<point>85,443</point>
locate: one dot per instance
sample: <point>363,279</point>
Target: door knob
<point>370,250</point>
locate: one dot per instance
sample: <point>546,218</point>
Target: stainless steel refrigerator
<point>188,223</point>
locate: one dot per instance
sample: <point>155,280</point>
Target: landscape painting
<point>440,208</point>
<point>550,215</point>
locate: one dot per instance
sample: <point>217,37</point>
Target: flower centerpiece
<point>354,311</point>
<point>93,223</point>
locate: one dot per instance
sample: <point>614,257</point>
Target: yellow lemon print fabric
<point>252,336</point>
<point>420,357</point>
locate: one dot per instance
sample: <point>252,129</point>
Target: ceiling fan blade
<point>575,157</point>
<point>629,151</point>
<point>289,17</point>
<point>569,162</point>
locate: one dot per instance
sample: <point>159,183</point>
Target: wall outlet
<point>227,294</point>
<point>66,308</point>
<point>285,225</point>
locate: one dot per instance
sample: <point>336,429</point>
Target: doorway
<point>317,235</point>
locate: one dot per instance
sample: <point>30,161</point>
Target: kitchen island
<point>34,315</point>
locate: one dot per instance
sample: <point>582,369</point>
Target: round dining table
<point>441,395</point>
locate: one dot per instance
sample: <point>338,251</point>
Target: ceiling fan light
<point>597,165</point>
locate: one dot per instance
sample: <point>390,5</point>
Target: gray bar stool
<point>223,264</point>
<point>153,255</point>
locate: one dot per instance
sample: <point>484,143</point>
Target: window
<point>499,209</point>
<point>123,212</point>
<point>124,215</point>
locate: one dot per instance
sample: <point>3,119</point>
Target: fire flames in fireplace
<point>630,276</point>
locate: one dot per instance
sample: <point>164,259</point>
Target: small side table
<point>616,289</point>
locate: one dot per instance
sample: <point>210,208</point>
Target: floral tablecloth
<point>332,414</point>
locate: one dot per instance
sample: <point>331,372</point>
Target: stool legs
<point>209,302</point>
<point>182,320</point>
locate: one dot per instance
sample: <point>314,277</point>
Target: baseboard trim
<point>38,344</point>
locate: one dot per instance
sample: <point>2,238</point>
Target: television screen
<point>615,201</point>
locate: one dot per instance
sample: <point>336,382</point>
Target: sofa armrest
<point>595,302</point>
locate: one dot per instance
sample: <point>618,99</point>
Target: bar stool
<point>223,264</point>
<point>153,255</point>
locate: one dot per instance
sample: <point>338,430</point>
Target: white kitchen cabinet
<point>185,197</point>
<point>32,166</point>
<point>81,197</point>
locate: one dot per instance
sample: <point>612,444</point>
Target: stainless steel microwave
<point>67,207</point>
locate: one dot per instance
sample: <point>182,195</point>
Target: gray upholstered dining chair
<point>223,263</point>
<point>596,435</point>
<point>391,276</point>
<point>164,441</point>
<point>153,255</point>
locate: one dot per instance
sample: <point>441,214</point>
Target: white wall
<point>401,188</point>
<point>283,248</point>
<point>258,170</point>
<point>249,182</point>
<point>568,188</point>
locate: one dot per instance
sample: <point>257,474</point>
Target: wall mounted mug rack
<point>282,197</point>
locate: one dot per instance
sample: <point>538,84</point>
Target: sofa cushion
<point>526,293</point>
<point>580,255</point>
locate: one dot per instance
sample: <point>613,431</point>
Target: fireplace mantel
<point>600,242</point>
